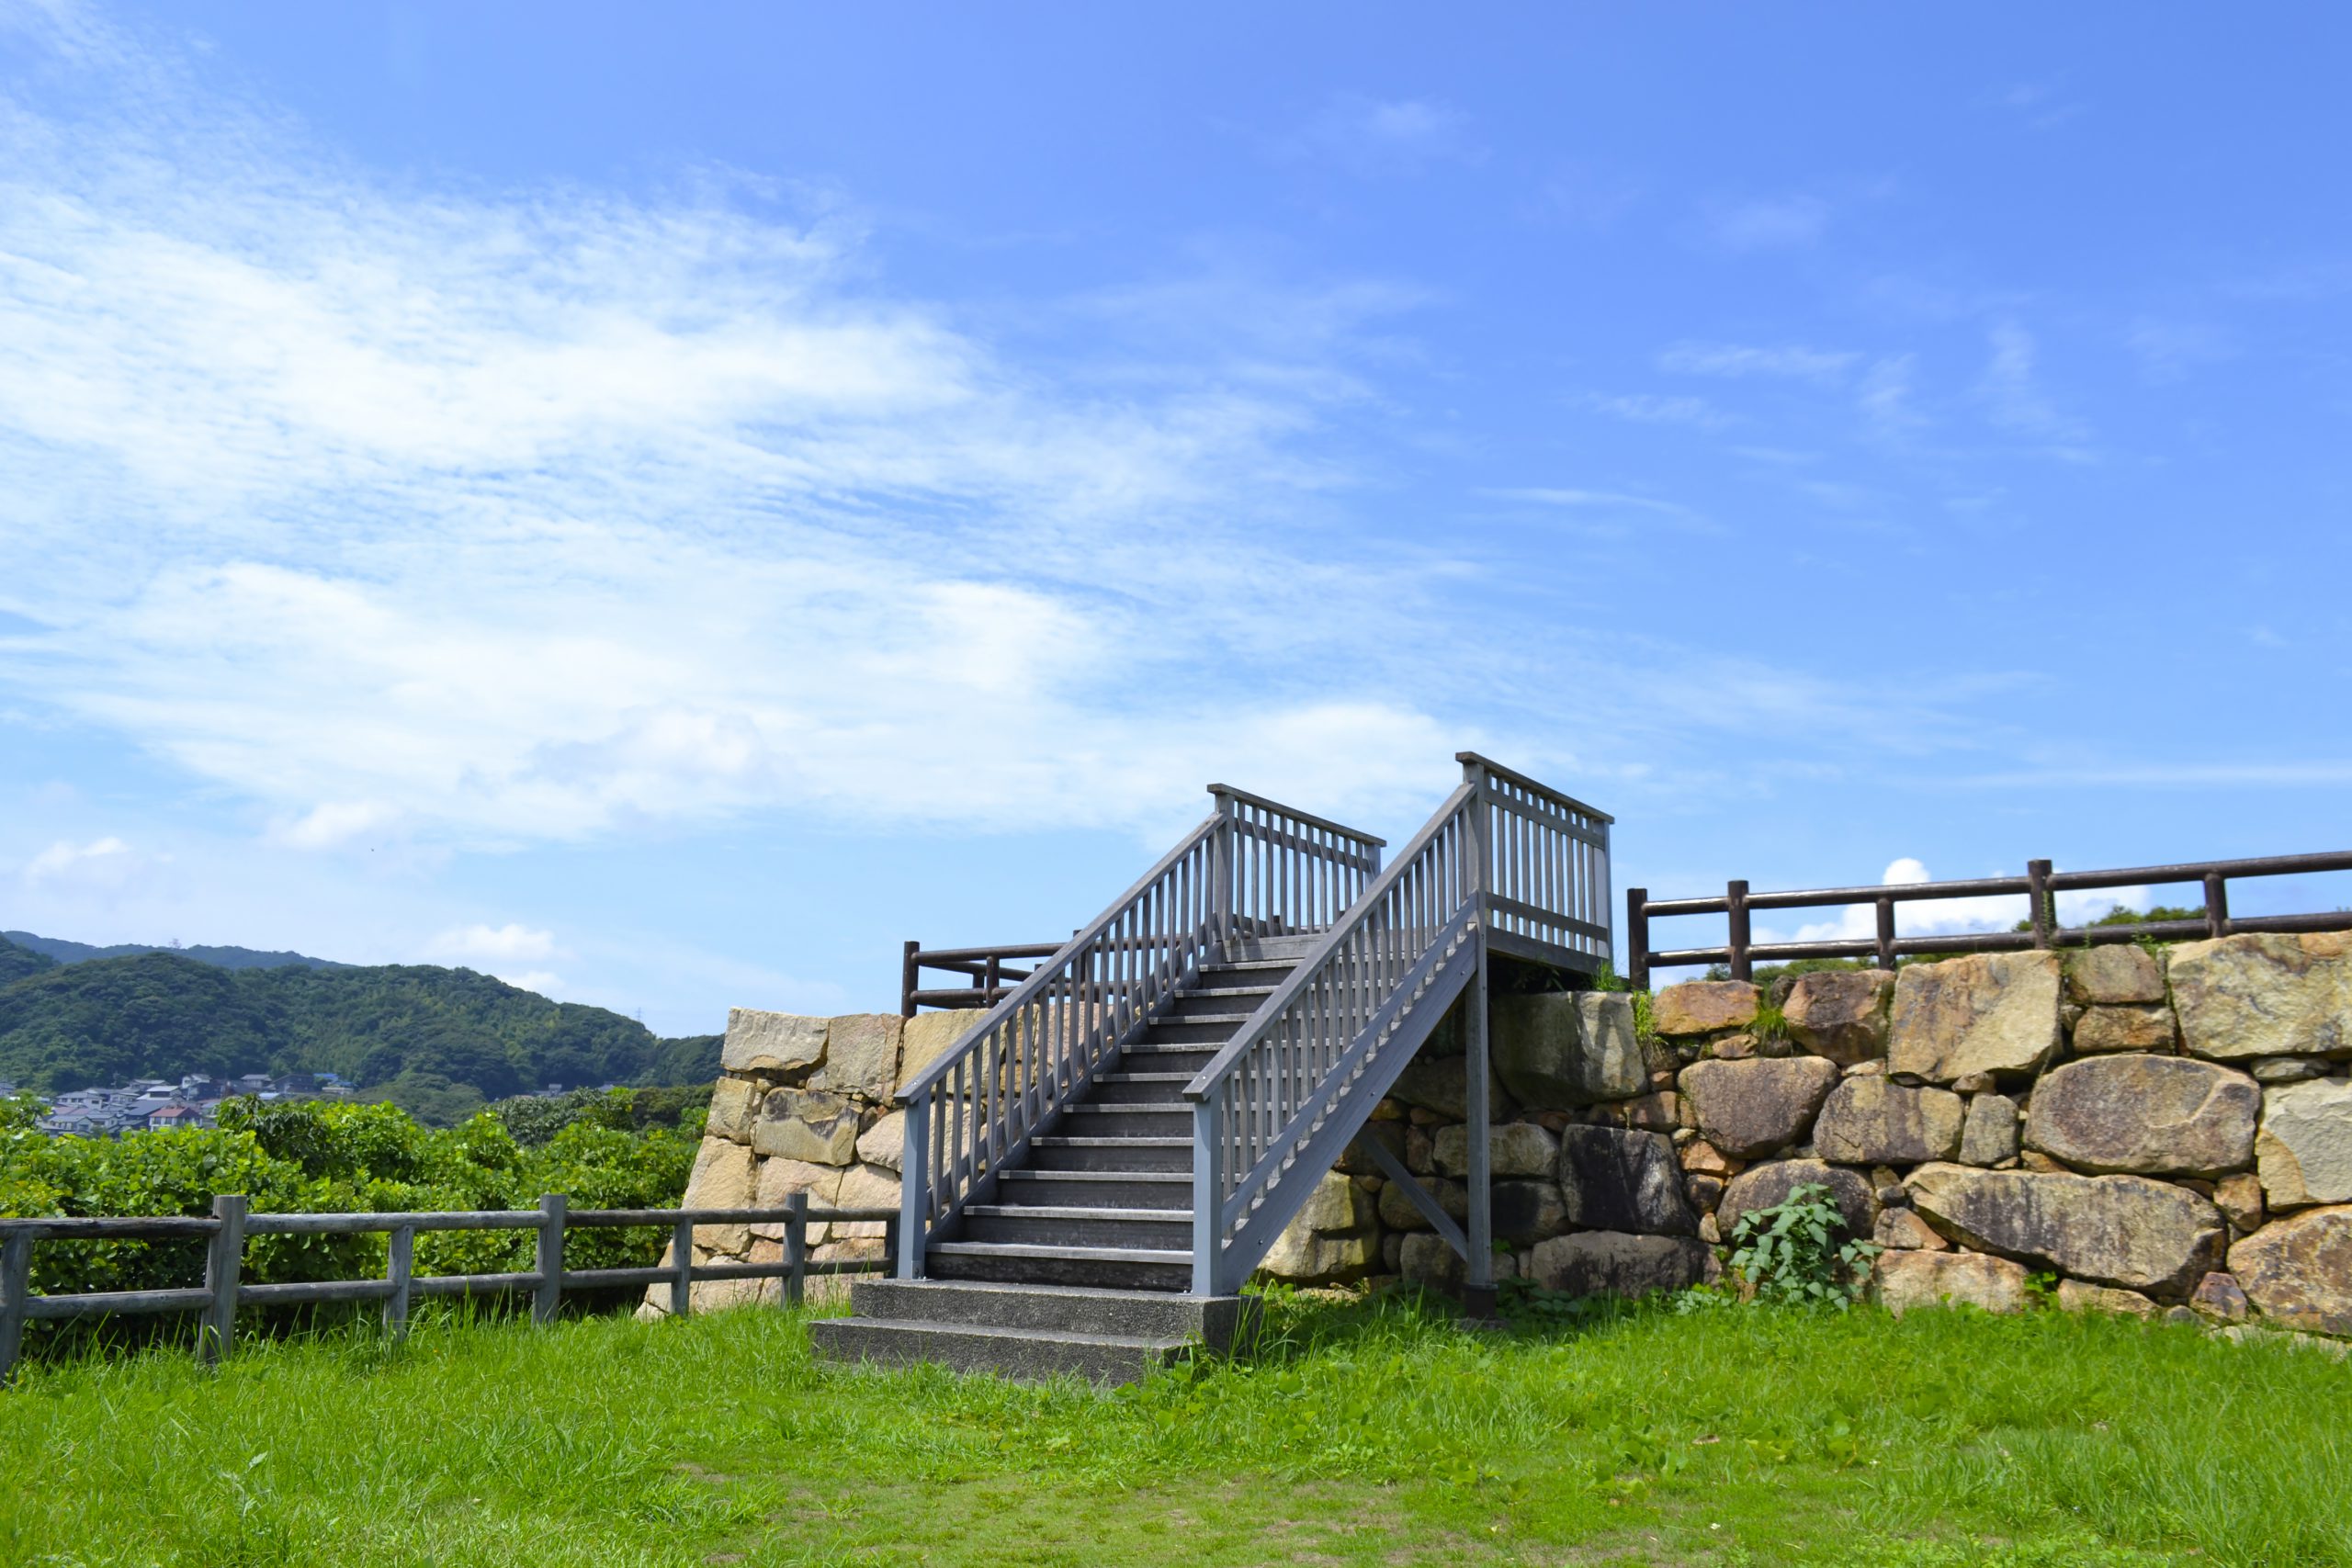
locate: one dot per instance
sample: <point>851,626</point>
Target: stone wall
<point>2164,1131</point>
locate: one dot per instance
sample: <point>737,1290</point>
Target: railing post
<point>1221,870</point>
<point>1887,930</point>
<point>1637,938</point>
<point>400,1267</point>
<point>910,980</point>
<point>223,1263</point>
<point>547,1297</point>
<point>16,1286</point>
<point>796,1247</point>
<point>2036,883</point>
<point>1478,1283</point>
<point>1208,1195</point>
<point>914,1187</point>
<point>2217,904</point>
<point>1736,909</point>
<point>682,1267</point>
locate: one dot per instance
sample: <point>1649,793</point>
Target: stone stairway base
<point>1029,1332</point>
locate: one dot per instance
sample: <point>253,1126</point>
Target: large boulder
<point>807,1125</point>
<point>1434,1083</point>
<point>2265,994</point>
<point>861,1055</point>
<point>1986,1013</point>
<point>2298,1271</point>
<point>1841,1013</point>
<point>1990,1135</point>
<point>1399,1212</point>
<point>1333,1237</point>
<point>2119,972</point>
<point>1616,1180</point>
<point>1870,1121</point>
<point>1527,1212</point>
<point>1703,1007</point>
<point>2124,1028</point>
<point>2149,1116</point>
<point>1909,1280</point>
<point>1593,1263</point>
<point>2304,1150</point>
<point>779,1042</point>
<point>923,1037</point>
<point>2111,1230</point>
<point>1565,1049</point>
<point>885,1143</point>
<point>1769,1186</point>
<point>734,1106</point>
<point>1514,1149</point>
<point>1753,1106</point>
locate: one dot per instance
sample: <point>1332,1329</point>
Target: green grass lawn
<point>1368,1433</point>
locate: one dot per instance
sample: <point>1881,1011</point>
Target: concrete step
<point>1097,1188</point>
<point>1034,1263</point>
<point>1217,1322</point>
<point>1063,1225</point>
<point>1024,1355</point>
<point>1060,1153</point>
<point>1156,1087</point>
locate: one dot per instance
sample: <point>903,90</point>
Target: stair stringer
<point>1367,1071</point>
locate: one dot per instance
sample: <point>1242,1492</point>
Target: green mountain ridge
<point>437,1041</point>
<point>64,952</point>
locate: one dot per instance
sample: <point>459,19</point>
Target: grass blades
<point>1365,1432</point>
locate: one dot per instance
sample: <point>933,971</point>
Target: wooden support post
<point>1208,1195</point>
<point>1885,931</point>
<point>546,1300</point>
<point>399,1269</point>
<point>16,1288</point>
<point>1637,938</point>
<point>682,1266</point>
<point>909,980</point>
<point>2037,881</point>
<point>2217,904</point>
<point>224,1261</point>
<point>1735,906</point>
<point>914,1187</point>
<point>796,1248</point>
<point>1478,1286</point>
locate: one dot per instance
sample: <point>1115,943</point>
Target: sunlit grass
<point>1372,1432</point>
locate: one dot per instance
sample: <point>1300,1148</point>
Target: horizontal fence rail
<point>1253,867</point>
<point>990,969</point>
<point>226,1229</point>
<point>2038,886</point>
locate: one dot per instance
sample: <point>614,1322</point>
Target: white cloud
<point>1673,514</point>
<point>1943,917</point>
<point>100,862</point>
<point>1779,224</point>
<point>508,943</point>
<point>1385,136</point>
<point>1652,408</point>
<point>1884,399</point>
<point>544,982</point>
<point>2013,396</point>
<point>1731,359</point>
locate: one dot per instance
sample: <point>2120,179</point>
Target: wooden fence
<point>229,1224</point>
<point>990,969</point>
<point>2039,884</point>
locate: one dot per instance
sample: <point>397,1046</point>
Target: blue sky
<point>662,508</point>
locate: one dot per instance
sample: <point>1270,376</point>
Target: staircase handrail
<point>1253,866</point>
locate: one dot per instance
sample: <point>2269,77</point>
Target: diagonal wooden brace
<point>1422,1199</point>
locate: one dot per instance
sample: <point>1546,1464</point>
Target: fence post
<point>223,1262</point>
<point>400,1267</point>
<point>546,1300</point>
<point>1637,938</point>
<point>16,1285</point>
<point>2037,881</point>
<point>1735,906</point>
<point>1885,931</point>
<point>796,1247</point>
<point>682,1265</point>
<point>910,973</point>
<point>2217,904</point>
<point>914,1187</point>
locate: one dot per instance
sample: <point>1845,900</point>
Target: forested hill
<point>439,1039</point>
<point>65,952</point>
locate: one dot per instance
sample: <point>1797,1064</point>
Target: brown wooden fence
<point>229,1224</point>
<point>2039,884</point>
<point>990,969</point>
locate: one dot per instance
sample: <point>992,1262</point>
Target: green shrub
<point>1791,1252</point>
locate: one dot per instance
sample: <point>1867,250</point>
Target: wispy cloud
<point>2013,398</point>
<point>1657,408</point>
<point>1609,504</point>
<point>1370,136</point>
<point>1737,360</point>
<point>2169,349</point>
<point>1766,223</point>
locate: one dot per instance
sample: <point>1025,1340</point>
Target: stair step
<point>1024,1355</point>
<point>1216,1321</point>
<point>1097,1188</point>
<point>1058,1225</point>
<point>1059,1154</point>
<point>1139,1088</point>
<point>1162,1269</point>
<point>1126,1120</point>
<point>1209,1029</point>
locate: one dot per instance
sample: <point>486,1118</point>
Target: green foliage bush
<point>1792,1251</point>
<point>532,1119</point>
<point>316,1156</point>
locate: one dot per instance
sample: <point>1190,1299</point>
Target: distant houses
<point>157,1105</point>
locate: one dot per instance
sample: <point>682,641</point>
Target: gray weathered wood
<point>682,1266</point>
<point>16,1289</point>
<point>547,1296</point>
<point>399,1271</point>
<point>1420,1197</point>
<point>224,1262</point>
<point>795,1249</point>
